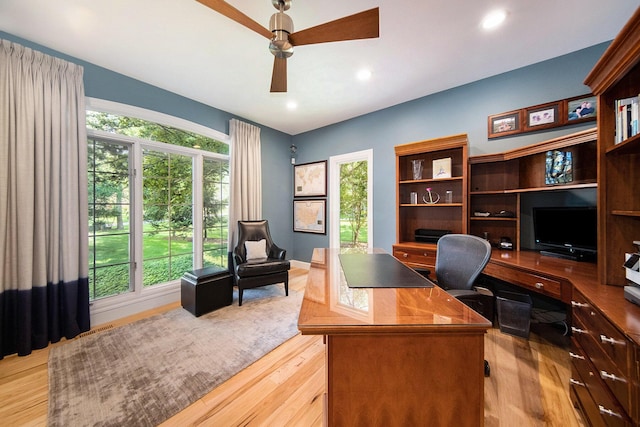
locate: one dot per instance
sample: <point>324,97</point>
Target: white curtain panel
<point>246,176</point>
<point>43,200</point>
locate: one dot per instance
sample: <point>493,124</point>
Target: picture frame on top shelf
<point>442,168</point>
<point>310,179</point>
<point>544,116</point>
<point>505,124</point>
<point>582,108</point>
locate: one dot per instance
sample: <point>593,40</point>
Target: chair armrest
<point>277,252</point>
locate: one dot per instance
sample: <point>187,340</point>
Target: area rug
<point>143,373</point>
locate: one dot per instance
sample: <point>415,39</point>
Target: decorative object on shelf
<point>431,197</point>
<point>417,166</point>
<point>559,167</point>
<point>543,116</point>
<point>309,216</point>
<point>442,168</point>
<point>448,196</point>
<point>310,179</point>
<point>414,198</point>
<point>505,124</point>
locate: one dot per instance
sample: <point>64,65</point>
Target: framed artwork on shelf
<point>442,168</point>
<point>310,179</point>
<point>543,116</point>
<point>309,216</point>
<point>582,108</point>
<point>505,124</point>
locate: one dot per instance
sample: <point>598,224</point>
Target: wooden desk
<point>395,356</point>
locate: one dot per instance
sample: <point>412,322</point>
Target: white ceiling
<point>425,46</point>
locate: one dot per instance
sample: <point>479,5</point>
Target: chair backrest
<point>252,231</point>
<point>460,259</point>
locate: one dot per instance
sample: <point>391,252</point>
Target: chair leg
<point>286,286</point>
<point>239,296</point>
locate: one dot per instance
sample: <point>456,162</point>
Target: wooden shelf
<point>426,181</point>
<point>431,205</point>
<point>626,213</point>
<point>560,187</point>
<point>497,181</point>
<point>628,146</point>
<point>492,218</point>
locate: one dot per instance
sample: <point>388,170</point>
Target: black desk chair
<point>257,260</point>
<point>459,261</point>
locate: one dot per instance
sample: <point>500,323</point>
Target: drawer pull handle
<point>575,356</point>
<point>574,382</point>
<point>609,412</point>
<point>578,330</point>
<point>406,255</point>
<point>579,304</point>
<point>605,339</point>
<point>425,254</point>
<point>539,285</point>
<point>607,376</point>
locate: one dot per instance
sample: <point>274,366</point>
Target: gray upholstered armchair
<point>257,260</point>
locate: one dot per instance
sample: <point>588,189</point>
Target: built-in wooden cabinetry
<point>617,76</point>
<point>605,382</point>
<point>497,181</point>
<point>412,215</point>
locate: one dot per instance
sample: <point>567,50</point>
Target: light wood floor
<point>528,384</point>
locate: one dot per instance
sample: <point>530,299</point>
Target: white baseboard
<point>299,264</point>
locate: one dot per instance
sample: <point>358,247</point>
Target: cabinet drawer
<point>539,284</point>
<point>585,376</point>
<point>609,338</point>
<point>615,379</point>
<point>421,256</point>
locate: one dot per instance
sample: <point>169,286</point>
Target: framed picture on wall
<point>544,116</point>
<point>582,108</point>
<point>310,179</point>
<point>505,124</point>
<point>309,216</point>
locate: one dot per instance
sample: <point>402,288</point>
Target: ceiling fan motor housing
<point>281,26</point>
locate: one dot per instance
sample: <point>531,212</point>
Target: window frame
<point>142,297</point>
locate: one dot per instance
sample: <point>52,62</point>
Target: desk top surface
<point>331,307</point>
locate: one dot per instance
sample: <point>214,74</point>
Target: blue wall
<point>460,110</point>
<point>463,109</point>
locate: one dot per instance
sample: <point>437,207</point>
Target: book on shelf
<point>626,118</point>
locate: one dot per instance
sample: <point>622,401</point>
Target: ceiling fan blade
<point>363,25</point>
<point>231,12</point>
<point>279,76</point>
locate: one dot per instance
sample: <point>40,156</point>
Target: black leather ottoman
<point>206,289</point>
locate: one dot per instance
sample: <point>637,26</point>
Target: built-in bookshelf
<point>616,77</point>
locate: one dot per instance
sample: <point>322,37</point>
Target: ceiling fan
<point>363,25</point>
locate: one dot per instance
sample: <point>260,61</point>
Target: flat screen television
<point>567,232</point>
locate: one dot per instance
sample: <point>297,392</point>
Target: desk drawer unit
<point>415,256</point>
<point>602,362</point>
<point>540,284</point>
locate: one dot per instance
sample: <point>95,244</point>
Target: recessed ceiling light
<point>493,19</point>
<point>364,74</point>
<point>292,105</point>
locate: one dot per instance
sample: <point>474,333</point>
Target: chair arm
<point>277,252</point>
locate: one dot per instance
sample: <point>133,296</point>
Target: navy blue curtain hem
<point>31,319</point>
